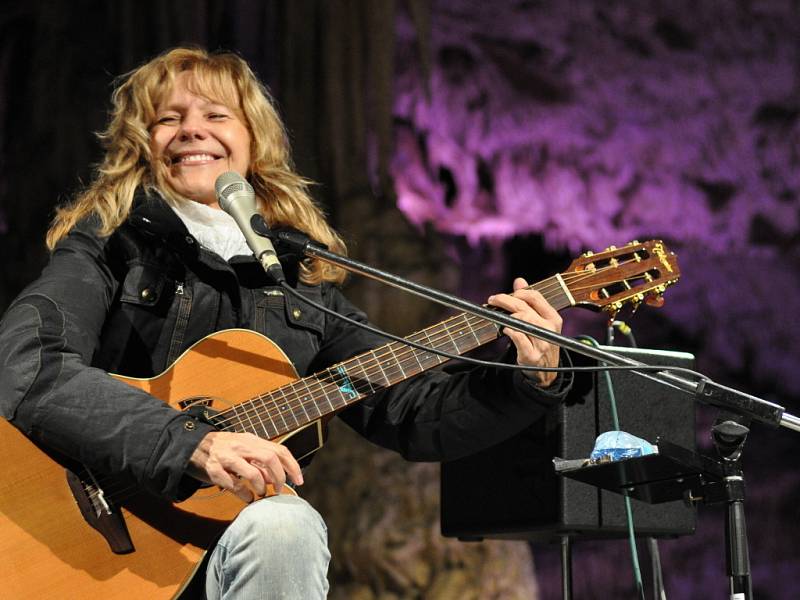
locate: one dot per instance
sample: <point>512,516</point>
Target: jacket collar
<point>152,216</point>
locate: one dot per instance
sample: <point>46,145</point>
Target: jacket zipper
<point>181,322</point>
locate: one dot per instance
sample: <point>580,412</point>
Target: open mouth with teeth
<point>194,158</point>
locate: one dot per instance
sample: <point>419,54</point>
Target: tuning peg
<point>636,302</point>
<point>635,243</point>
<point>614,307</point>
<point>610,248</point>
<point>587,254</point>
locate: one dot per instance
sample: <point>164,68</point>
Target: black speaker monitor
<point>525,499</point>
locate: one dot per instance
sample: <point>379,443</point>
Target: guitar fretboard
<point>301,402</point>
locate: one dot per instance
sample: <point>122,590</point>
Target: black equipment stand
<point>674,473</point>
<point>729,434</point>
<point>566,567</point>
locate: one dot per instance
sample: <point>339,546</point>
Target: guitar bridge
<point>99,514</point>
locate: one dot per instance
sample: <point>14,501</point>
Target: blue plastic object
<point>618,445</point>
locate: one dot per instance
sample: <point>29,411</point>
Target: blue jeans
<point>276,548</point>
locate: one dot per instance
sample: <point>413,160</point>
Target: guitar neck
<point>292,406</point>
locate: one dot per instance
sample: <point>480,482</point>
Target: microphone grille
<point>229,183</point>
<point>233,187</point>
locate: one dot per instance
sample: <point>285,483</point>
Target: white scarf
<point>214,229</point>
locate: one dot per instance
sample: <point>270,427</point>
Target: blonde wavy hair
<point>128,163</point>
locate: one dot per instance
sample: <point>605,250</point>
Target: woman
<point>144,264</point>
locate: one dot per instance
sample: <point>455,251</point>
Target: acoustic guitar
<point>76,534</point>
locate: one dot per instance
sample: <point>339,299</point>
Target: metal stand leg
<point>566,567</point>
<point>738,560</point>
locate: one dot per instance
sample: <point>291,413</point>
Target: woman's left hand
<point>530,306</point>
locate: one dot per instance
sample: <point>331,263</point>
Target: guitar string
<point>375,374</point>
<point>253,410</point>
<point>544,287</point>
<point>400,355</point>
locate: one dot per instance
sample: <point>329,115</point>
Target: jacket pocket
<point>143,286</point>
<point>294,326</point>
<point>139,329</point>
<point>300,314</point>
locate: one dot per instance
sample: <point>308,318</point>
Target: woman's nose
<point>191,128</point>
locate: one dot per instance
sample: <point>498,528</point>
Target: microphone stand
<point>704,391</point>
<point>738,409</point>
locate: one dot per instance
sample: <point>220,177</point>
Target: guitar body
<point>50,551</point>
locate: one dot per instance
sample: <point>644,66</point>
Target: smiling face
<point>197,139</point>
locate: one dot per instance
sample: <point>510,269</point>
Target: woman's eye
<point>167,119</point>
<point>217,116</point>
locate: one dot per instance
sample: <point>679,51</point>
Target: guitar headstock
<point>635,273</point>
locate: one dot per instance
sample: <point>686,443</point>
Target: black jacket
<point>132,302</point>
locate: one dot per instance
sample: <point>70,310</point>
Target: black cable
<point>488,363</point>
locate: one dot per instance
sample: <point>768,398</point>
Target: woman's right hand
<point>243,463</point>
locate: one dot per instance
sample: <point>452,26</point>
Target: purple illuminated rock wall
<point>594,123</point>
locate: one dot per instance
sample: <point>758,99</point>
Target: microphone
<point>238,198</point>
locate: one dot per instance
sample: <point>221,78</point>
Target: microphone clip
<point>290,240</point>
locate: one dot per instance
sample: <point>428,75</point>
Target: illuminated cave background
<point>573,125</point>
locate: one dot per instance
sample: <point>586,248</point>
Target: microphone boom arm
<point>704,391</point>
